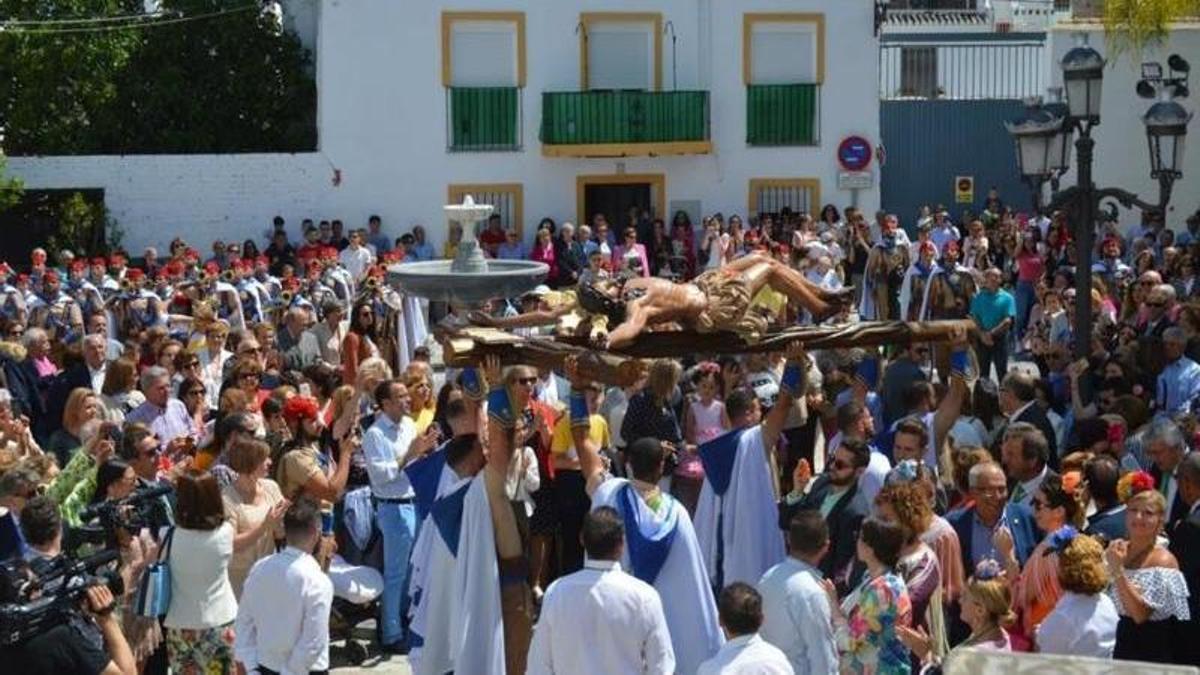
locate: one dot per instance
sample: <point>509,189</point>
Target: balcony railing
<point>483,119</point>
<point>624,122</point>
<point>783,114</point>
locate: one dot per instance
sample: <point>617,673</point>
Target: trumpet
<point>372,283</point>
<point>227,276</point>
<point>286,297</point>
<point>126,285</point>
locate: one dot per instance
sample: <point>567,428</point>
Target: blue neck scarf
<point>647,550</point>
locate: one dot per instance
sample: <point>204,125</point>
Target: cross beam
<point>467,346</point>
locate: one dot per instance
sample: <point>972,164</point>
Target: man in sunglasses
<point>141,450</point>
<point>836,495</point>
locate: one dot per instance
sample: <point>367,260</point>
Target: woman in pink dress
<point>629,256</point>
<point>543,252</point>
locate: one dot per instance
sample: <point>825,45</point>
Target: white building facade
<point>548,109</point>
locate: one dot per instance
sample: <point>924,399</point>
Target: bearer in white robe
<point>471,598</point>
<point>737,517</point>
<point>660,544</point>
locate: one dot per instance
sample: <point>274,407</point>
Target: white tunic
<point>682,583</point>
<point>751,541</point>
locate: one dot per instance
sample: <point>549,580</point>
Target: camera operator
<point>87,642</point>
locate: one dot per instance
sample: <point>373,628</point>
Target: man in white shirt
<point>356,257</point>
<point>391,444</point>
<point>601,619</point>
<point>745,652</point>
<point>796,613</point>
<point>283,618</point>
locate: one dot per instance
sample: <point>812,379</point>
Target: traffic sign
<point>854,153</point>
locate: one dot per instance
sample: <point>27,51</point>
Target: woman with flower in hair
<point>1149,590</point>
<point>986,608</point>
<point>1036,588</point>
<point>1084,622</point>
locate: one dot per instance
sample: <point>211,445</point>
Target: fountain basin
<point>434,280</point>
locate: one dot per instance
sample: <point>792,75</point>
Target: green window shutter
<point>484,118</point>
<point>594,117</point>
<point>782,114</point>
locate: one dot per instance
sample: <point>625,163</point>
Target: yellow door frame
<point>658,191</point>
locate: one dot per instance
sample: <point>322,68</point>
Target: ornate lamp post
<point>1043,140</point>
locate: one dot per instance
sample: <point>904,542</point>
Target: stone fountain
<point>470,279</point>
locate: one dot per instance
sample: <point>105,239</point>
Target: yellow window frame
<point>588,19</point>
<point>750,19</point>
<point>450,18</point>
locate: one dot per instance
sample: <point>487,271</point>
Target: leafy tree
<point>11,189</point>
<point>82,225</point>
<point>57,85</point>
<point>1132,25</point>
<point>227,83</point>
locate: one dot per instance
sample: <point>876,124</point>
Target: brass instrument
<point>126,285</point>
<point>227,276</point>
<point>286,297</point>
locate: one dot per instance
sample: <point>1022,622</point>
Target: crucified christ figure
<point>718,300</point>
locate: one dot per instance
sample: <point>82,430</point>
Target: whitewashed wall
<point>1122,158</point>
<point>382,117</point>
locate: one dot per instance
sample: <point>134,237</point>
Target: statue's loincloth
<point>728,307</point>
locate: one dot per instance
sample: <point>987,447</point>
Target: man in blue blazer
<point>978,523</point>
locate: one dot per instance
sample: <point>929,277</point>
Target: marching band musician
<point>98,277</point>
<point>54,310</point>
<point>12,304</point>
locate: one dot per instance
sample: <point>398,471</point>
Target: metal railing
<point>624,116</point>
<point>783,114</point>
<point>994,69</point>
<point>482,119</point>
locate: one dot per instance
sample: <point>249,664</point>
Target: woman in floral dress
<point>865,623</point>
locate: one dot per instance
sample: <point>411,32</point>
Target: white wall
<point>1122,157</point>
<point>382,118</point>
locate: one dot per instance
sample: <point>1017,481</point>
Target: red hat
<point>301,408</point>
<point>928,245</point>
<point>306,253</point>
<point>291,283</point>
<point>22,278</point>
<point>191,254</point>
<point>116,260</point>
<point>212,268</point>
<point>50,275</point>
<point>951,245</point>
<point>134,274</point>
<point>329,253</point>
<point>5,268</point>
<point>78,266</point>
<point>99,262</point>
<point>262,260</point>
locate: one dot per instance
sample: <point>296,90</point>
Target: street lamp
<point>1043,140</point>
<point>1083,78</point>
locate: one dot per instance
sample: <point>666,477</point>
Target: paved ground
<point>375,663</point>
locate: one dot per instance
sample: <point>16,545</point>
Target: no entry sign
<point>854,153</point>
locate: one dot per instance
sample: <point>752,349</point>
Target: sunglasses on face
<point>249,376</point>
<point>840,464</point>
<point>527,381</point>
<point>194,392</point>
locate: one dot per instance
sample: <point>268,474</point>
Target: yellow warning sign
<point>964,189</point>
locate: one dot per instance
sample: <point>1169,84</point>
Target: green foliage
<point>223,84</point>
<point>1132,25</point>
<point>81,224</point>
<point>11,188</point>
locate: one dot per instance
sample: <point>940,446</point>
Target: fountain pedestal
<point>470,279</point>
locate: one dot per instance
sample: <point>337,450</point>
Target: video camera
<point>35,596</point>
<point>130,514</point>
